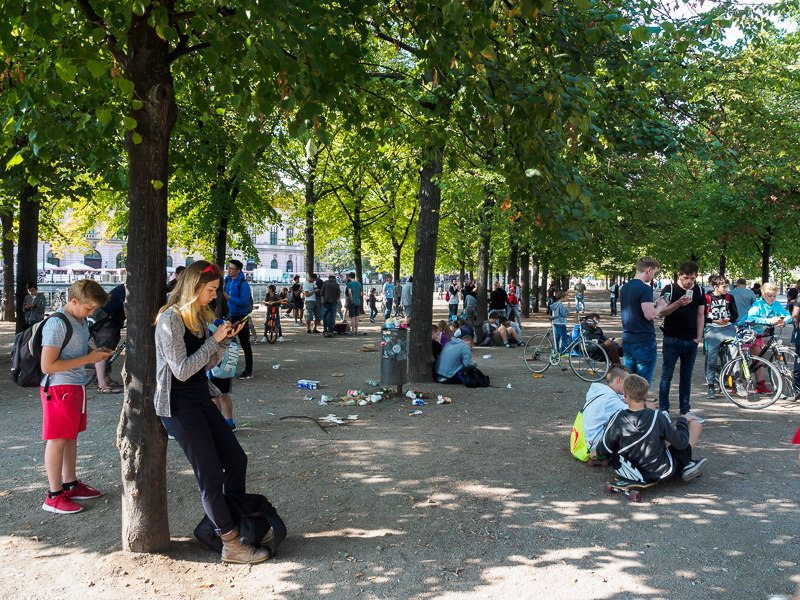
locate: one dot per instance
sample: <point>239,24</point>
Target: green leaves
<point>66,70</point>
<point>96,68</point>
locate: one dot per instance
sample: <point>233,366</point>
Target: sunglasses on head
<point>213,268</point>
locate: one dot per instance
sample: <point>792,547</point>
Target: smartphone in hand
<point>690,293</point>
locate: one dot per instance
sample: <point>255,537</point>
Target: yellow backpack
<point>577,443</point>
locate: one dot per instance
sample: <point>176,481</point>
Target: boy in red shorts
<point>65,404</point>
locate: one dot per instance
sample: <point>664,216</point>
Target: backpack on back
<point>26,354</point>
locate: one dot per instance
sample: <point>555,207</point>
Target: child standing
<point>560,310</point>
<point>373,309</point>
<point>636,440</point>
<point>34,305</point>
<point>64,405</point>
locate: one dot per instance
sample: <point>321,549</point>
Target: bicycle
<point>271,326</point>
<point>587,359</point>
<point>783,357</point>
<point>737,376</point>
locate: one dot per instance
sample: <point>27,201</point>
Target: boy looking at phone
<point>684,318</point>
<point>64,405</point>
<point>721,314</point>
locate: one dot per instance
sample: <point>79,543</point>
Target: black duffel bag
<point>254,516</point>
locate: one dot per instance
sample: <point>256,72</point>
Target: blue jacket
<point>454,357</point>
<point>761,313</point>
<point>239,300</point>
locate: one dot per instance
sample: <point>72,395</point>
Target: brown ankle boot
<point>234,551</point>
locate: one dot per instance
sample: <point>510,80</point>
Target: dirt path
<point>476,499</point>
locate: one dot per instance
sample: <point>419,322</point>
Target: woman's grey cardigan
<point>171,358</point>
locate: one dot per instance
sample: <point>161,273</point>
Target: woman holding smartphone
<point>184,352</point>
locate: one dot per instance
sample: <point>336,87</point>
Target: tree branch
<point>111,41</point>
<point>178,52</point>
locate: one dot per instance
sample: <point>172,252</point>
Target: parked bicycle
<point>783,357</point>
<point>737,375</point>
<point>587,359</point>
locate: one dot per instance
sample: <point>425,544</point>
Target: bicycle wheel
<point>272,331</point>
<point>784,360</point>
<point>537,351</point>
<point>738,382</point>
<point>589,361</point>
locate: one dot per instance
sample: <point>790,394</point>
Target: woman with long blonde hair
<point>184,352</point>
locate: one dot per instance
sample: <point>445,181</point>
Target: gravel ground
<point>476,499</point>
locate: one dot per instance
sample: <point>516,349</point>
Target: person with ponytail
<point>184,352</point>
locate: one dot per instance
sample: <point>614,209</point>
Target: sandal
<point>114,384</point>
<point>109,390</point>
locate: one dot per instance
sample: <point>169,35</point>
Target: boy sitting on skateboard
<point>636,437</point>
<point>603,402</point>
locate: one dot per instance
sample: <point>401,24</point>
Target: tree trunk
<point>766,249</point>
<point>722,264</point>
<point>525,285</point>
<point>513,263</point>
<point>420,357</point>
<point>141,438</point>
<point>485,236</point>
<point>535,284</point>
<point>397,249</point>
<point>26,247</point>
<point>311,201</point>
<point>221,243</point>
<point>7,219</point>
<point>545,274</point>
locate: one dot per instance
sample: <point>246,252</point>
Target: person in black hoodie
<point>636,440</point>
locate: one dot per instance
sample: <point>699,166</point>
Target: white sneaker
<point>280,339</point>
<point>699,420</point>
<point>264,340</point>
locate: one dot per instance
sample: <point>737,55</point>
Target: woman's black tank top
<point>193,344</point>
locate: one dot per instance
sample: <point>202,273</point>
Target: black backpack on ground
<point>473,377</point>
<point>254,516</point>
<point>26,354</point>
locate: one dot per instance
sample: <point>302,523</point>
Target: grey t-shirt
<point>53,334</point>
<point>744,299</point>
<point>406,294</point>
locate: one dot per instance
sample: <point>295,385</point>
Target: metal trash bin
<point>394,356</point>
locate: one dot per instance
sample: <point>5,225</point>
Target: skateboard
<point>629,488</point>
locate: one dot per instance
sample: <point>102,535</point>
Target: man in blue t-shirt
<point>388,296</point>
<point>638,312</point>
<point>355,292</point>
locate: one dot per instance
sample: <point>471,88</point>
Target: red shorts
<point>65,412</point>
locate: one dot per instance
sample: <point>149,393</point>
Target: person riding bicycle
<point>721,313</point>
<point>763,313</point>
<point>272,302</point>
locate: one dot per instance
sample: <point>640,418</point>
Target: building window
<point>121,260</point>
<point>189,260</point>
<point>93,259</point>
<point>273,264</point>
<point>273,236</point>
<point>289,266</point>
<point>289,236</point>
<point>169,261</point>
<point>52,259</point>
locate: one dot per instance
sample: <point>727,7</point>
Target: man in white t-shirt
<point>309,294</point>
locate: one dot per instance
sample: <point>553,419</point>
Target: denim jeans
<point>218,461</point>
<point>671,350</point>
<point>579,304</point>
<point>714,337</point>
<point>372,312</point>
<point>388,312</point>
<point>328,312</point>
<point>513,309</point>
<point>453,310</point>
<point>641,359</point>
<point>561,336</point>
<point>613,305</point>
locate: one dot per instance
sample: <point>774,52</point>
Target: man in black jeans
<point>237,292</point>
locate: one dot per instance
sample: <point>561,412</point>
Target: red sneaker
<point>61,504</point>
<point>82,492</point>
<point>761,388</point>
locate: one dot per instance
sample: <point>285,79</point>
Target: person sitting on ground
<point>636,440</point>
<point>510,326</point>
<point>455,357</point>
<point>603,401</point>
<point>594,333</point>
<point>496,334</point>
<point>460,329</point>
<point>436,345</point>
<point>444,333</point>
<point>560,311</point>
